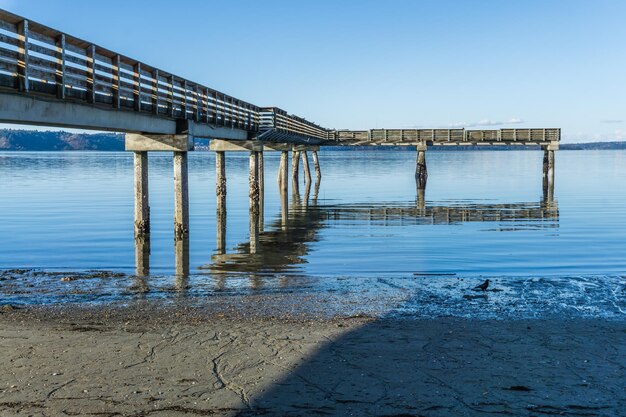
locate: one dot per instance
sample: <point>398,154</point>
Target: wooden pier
<point>51,78</point>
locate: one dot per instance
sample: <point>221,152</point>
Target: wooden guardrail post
<point>91,73</point>
<point>24,55</point>
<point>60,75</point>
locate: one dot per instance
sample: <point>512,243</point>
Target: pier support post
<point>181,196</point>
<point>548,170</point>
<point>261,182</point>
<point>421,172</point>
<point>220,198</point>
<point>253,183</point>
<point>316,165</point>
<point>295,171</point>
<point>305,167</point>
<point>142,207</point>
<point>283,172</point>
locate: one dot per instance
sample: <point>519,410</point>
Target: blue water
<point>484,215</point>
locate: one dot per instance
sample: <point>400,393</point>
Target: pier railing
<point>37,59</point>
<point>445,136</point>
<point>278,120</point>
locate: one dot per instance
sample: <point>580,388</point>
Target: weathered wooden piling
<point>254,201</point>
<point>295,172</point>
<point>305,167</point>
<point>261,182</point>
<point>548,165</point>
<point>253,182</point>
<point>283,173</point>
<point>181,196</point>
<point>142,207</point>
<point>316,165</point>
<point>220,179</point>
<point>548,176</point>
<point>220,200</point>
<point>421,172</point>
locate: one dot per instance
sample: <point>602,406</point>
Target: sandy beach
<point>152,360</point>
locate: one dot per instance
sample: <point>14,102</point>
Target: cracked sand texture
<point>360,367</point>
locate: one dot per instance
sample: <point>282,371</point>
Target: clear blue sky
<point>366,64</point>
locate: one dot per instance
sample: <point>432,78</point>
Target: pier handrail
<point>37,59</point>
<point>443,136</point>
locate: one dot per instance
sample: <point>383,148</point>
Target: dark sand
<point>149,360</point>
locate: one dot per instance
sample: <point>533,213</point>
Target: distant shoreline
<point>44,141</point>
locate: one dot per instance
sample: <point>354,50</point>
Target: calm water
<point>484,215</point>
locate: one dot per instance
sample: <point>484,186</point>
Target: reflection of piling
<point>181,247</point>
<point>181,196</point>
<point>421,172</point>
<point>421,199</point>
<point>307,192</point>
<point>142,255</point>
<point>316,190</point>
<point>284,209</point>
<point>142,207</point>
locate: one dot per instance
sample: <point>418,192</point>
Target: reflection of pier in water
<point>286,242</point>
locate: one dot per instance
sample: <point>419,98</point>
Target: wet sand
<point>150,360</point>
